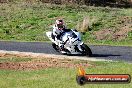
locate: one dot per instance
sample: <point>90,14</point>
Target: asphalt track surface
<point>116,53</point>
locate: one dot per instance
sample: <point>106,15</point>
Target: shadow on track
<point>103,55</point>
<point>94,55</point>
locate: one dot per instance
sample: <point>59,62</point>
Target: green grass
<point>29,22</point>
<point>62,77</point>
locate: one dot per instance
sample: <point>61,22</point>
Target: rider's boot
<point>62,49</point>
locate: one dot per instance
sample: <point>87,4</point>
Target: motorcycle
<point>72,43</point>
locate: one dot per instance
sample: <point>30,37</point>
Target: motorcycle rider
<point>58,30</point>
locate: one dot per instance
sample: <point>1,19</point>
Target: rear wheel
<point>86,50</point>
<point>55,47</point>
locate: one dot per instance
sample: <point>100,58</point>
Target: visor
<point>60,26</point>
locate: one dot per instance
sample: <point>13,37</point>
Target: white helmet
<point>59,24</point>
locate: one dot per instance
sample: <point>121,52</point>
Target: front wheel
<point>86,50</point>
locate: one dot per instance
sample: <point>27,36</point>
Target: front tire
<point>86,50</point>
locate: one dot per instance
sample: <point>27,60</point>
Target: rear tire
<point>55,47</point>
<point>86,50</point>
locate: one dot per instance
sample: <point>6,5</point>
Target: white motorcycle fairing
<point>52,40</point>
<point>72,41</point>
